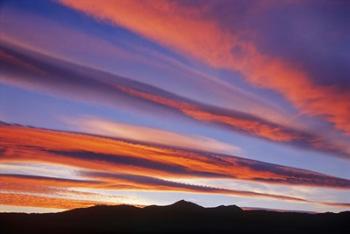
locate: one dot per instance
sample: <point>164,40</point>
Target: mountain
<point>179,217</point>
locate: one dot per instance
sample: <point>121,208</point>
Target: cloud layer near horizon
<point>135,166</point>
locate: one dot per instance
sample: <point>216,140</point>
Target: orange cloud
<point>12,182</point>
<point>121,156</point>
<point>113,155</point>
<point>122,181</point>
<point>93,85</point>
<point>12,199</point>
<point>150,135</point>
<point>103,163</point>
<point>53,187</point>
<point>189,30</point>
<point>260,129</point>
<point>339,204</point>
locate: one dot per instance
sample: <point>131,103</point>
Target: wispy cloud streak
<point>151,135</point>
<point>203,37</point>
<point>131,166</point>
<point>32,70</point>
<point>101,153</point>
<point>42,201</point>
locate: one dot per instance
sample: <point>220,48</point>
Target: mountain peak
<point>185,205</point>
<point>229,208</point>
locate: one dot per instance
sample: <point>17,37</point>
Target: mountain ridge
<point>181,216</point>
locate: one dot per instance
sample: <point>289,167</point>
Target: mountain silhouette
<point>179,217</point>
<point>183,205</point>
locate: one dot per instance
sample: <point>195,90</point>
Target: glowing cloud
<point>101,153</point>
<point>202,37</point>
<point>150,135</point>
<point>42,201</point>
<point>32,70</point>
<point>145,101</point>
<point>131,166</point>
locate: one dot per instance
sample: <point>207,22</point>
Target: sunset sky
<point>149,102</point>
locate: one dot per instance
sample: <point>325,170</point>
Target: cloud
<point>18,182</point>
<point>31,70</point>
<point>48,192</point>
<point>24,28</point>
<point>114,181</point>
<point>340,204</point>
<point>12,199</point>
<point>150,183</point>
<point>110,164</point>
<point>203,37</point>
<point>122,156</point>
<point>150,135</point>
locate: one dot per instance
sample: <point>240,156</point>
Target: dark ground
<point>181,217</point>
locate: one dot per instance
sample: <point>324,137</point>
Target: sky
<point>150,102</point>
